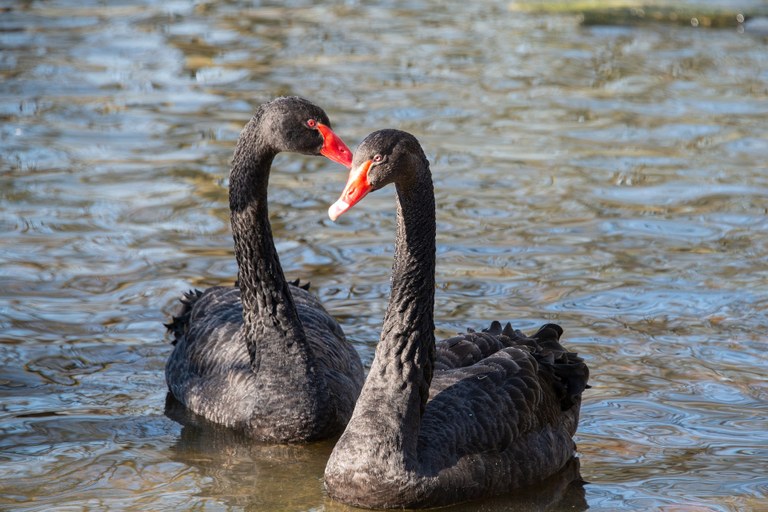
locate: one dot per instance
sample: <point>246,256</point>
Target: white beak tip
<point>337,209</point>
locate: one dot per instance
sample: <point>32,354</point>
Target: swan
<point>494,412</point>
<point>264,356</point>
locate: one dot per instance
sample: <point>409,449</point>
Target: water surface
<point>611,179</point>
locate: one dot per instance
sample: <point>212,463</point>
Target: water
<point>608,178</point>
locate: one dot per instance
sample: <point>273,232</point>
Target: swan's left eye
<point>311,123</point>
<point>377,159</point>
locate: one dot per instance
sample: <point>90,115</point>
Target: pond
<point>607,177</point>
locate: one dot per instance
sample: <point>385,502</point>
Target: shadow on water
<point>259,476</point>
<point>243,473</point>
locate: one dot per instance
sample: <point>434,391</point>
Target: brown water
<point>611,179</point>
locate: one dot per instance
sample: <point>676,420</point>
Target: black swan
<point>264,356</point>
<point>496,413</point>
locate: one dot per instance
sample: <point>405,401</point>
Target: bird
<point>263,356</point>
<point>438,423</point>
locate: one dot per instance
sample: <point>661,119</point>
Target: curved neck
<point>269,312</point>
<point>397,387</point>
<point>408,329</point>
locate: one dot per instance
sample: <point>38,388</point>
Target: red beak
<point>357,188</point>
<point>333,147</point>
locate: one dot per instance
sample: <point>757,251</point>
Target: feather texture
<point>264,356</point>
<point>478,414</point>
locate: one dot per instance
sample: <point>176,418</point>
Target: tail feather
<point>297,284</point>
<point>568,371</point>
<point>564,370</point>
<point>180,322</point>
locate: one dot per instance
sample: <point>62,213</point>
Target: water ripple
<point>607,178</point>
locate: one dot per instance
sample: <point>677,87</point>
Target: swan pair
<point>475,415</point>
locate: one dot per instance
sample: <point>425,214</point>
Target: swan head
<point>299,126</point>
<point>384,157</point>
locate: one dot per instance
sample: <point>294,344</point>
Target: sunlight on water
<point>609,178</point>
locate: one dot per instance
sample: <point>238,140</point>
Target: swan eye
<point>311,123</point>
<point>377,159</point>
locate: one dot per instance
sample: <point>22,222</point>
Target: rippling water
<point>612,179</point>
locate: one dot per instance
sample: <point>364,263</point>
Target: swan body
<point>264,356</point>
<point>479,414</point>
